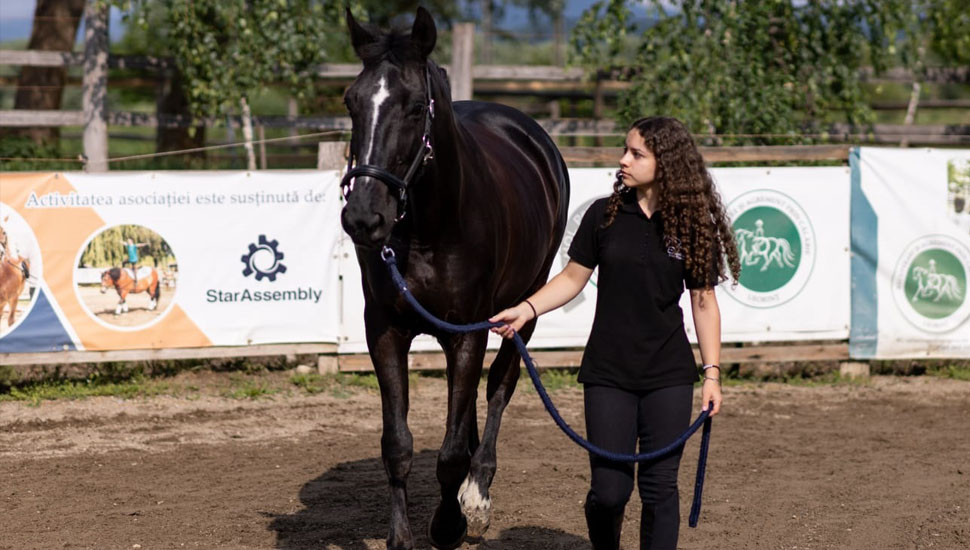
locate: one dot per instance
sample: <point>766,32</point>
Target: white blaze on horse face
<point>377,100</point>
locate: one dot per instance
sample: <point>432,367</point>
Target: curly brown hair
<point>690,206</point>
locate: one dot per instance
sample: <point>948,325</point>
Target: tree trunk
<point>41,88</point>
<point>911,112</point>
<point>247,129</point>
<point>171,100</point>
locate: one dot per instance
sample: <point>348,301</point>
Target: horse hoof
<point>477,509</point>
<point>451,542</point>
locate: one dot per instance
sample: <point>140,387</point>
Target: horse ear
<point>423,33</point>
<point>359,36</point>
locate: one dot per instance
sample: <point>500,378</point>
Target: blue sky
<point>16,17</point>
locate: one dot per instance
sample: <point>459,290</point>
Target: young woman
<point>663,228</point>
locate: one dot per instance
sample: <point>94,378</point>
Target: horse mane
<point>114,273</point>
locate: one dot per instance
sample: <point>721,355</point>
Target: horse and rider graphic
<point>935,286</point>
<point>754,248</point>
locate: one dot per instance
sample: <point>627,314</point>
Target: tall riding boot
<point>604,525</point>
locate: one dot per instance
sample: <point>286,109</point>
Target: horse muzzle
<point>368,229</point>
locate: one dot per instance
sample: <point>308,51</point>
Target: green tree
<point>229,51</point>
<point>107,250</point>
<point>754,68</point>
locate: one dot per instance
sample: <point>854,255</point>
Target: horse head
<point>391,106</point>
<point>109,278</point>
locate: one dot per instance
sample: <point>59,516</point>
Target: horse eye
<point>417,108</point>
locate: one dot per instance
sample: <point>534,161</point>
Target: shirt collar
<point>630,206</point>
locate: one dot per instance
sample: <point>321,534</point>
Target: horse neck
<point>435,209</point>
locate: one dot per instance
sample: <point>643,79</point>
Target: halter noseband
<point>425,153</point>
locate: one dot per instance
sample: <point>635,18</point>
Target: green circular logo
<point>776,247</point>
<point>929,283</point>
<point>936,283</point>
<point>769,247</point>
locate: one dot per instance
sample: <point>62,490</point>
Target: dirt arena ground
<point>882,464</point>
<point>103,305</point>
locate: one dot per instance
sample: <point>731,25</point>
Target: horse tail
<point>158,286</point>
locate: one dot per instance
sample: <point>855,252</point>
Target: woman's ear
<point>423,33</point>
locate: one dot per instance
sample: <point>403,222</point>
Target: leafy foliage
<point>754,68</point>
<point>229,50</point>
<point>107,250</point>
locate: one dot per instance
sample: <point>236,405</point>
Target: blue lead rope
<point>695,509</point>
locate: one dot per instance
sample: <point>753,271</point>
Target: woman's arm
<point>707,325</point>
<point>558,291</point>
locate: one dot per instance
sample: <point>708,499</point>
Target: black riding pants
<point>616,420</point>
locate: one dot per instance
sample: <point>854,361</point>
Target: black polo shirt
<point>638,340</point>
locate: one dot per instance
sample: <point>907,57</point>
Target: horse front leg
<point>388,350</point>
<point>13,310</point>
<point>502,378</point>
<point>464,354</point>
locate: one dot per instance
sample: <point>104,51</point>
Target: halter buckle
<point>429,151</point>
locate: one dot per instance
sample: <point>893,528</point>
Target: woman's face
<point>638,166</point>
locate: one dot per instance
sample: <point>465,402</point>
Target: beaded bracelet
<point>711,366</point>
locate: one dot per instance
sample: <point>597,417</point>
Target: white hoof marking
<point>477,508</point>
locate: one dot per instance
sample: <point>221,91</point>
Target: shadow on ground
<point>346,507</point>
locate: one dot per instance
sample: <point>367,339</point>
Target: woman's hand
<point>711,391</point>
<point>514,318</point>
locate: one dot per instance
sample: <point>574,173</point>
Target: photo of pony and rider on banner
<point>20,268</point>
<point>121,275</point>
<point>877,252</point>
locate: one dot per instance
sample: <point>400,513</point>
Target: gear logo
<point>263,259</point>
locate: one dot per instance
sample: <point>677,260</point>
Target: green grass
<point>552,380</point>
<point>34,394</point>
<point>955,372</point>
<point>249,389</point>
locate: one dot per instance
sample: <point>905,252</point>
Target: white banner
<point>792,232</point>
<point>228,258</point>
<point>246,258</point>
<point>911,245</point>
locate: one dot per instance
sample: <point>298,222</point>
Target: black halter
<point>425,153</point>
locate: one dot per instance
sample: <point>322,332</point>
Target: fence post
<point>462,48</point>
<point>95,86</point>
<point>330,155</point>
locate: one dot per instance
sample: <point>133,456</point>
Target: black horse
<point>472,199</point>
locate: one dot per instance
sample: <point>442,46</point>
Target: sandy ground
<point>885,464</point>
<point>103,305</point>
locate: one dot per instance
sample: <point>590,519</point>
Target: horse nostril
<point>376,221</point>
